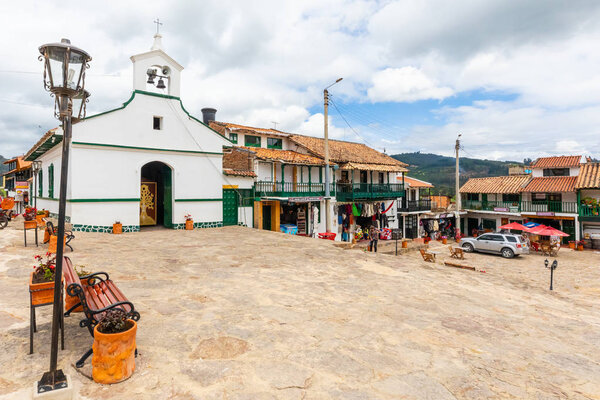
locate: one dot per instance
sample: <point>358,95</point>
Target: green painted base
<point>55,216</point>
<point>217,224</point>
<point>104,229</point>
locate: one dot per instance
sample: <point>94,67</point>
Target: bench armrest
<point>95,276</point>
<point>134,315</point>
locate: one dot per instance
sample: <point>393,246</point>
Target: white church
<point>148,162</point>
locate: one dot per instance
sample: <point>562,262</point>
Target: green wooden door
<point>568,227</point>
<point>167,196</point>
<point>230,207</point>
<point>266,217</point>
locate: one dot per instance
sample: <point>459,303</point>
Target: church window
<point>251,141</point>
<point>157,123</point>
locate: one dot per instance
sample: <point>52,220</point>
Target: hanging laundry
<point>355,210</point>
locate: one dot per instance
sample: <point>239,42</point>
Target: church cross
<point>157,22</point>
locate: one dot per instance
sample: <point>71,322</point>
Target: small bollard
<point>552,268</point>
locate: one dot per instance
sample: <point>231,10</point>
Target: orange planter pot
<point>189,225</point>
<point>404,244</point>
<point>40,220</point>
<point>114,355</point>
<point>70,301</point>
<point>52,243</point>
<point>444,241</point>
<point>47,213</point>
<point>117,228</point>
<point>41,293</point>
<point>572,245</point>
<point>580,247</point>
<point>30,224</point>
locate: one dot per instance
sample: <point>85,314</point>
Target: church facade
<point>148,162</point>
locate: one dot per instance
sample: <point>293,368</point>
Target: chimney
<point>208,114</point>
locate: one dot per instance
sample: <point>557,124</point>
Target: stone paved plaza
<point>237,313</point>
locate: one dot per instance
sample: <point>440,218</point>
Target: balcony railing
<point>499,206</point>
<point>549,206</point>
<point>369,191</point>
<point>291,189</point>
<point>414,205</point>
<point>589,210</point>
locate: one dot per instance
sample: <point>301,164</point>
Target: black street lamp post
<point>36,166</point>
<point>64,77</point>
<point>552,268</point>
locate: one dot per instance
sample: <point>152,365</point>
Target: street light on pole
<point>327,178</point>
<point>36,166</point>
<point>64,78</point>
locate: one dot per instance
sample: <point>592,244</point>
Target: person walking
<point>374,235</point>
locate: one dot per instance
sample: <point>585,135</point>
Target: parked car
<point>506,244</point>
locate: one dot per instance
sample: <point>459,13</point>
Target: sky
<point>518,79</point>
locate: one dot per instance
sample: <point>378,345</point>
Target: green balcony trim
<point>103,200</point>
<point>147,148</point>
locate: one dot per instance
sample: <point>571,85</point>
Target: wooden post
<point>258,215</point>
<point>275,214</point>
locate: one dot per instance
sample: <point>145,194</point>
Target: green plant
<point>40,212</point>
<point>81,271</point>
<point>114,321</point>
<point>44,271</point>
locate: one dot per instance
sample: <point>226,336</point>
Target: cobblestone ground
<point>236,313</point>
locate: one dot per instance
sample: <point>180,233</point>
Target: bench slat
<point>69,272</point>
<point>114,294</point>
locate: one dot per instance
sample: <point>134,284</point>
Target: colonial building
<point>588,195</point>
<point>413,205</point>
<point>18,175</point>
<point>147,162</point>
<point>289,174</point>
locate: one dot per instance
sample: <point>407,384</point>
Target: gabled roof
<point>589,176</point>
<point>286,156</point>
<point>551,184</point>
<point>373,167</point>
<point>557,162</point>
<point>496,184</point>
<point>236,172</point>
<point>46,142</point>
<point>21,165</point>
<point>345,152</point>
<point>221,126</point>
<point>415,183</point>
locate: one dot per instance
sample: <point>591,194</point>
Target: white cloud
<point>405,84</point>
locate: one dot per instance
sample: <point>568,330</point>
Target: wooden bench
<point>429,257</point>
<point>457,252</point>
<point>51,230</point>
<point>99,295</point>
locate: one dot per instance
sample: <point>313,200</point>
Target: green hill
<point>3,168</point>
<point>439,170</point>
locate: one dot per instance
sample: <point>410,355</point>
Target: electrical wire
<point>350,126</point>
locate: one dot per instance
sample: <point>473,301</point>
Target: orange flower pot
<point>30,224</point>
<point>189,225</point>
<point>117,228</point>
<point>52,244</point>
<point>580,247</point>
<point>114,355</point>
<point>41,293</point>
<point>444,241</point>
<point>572,245</point>
<point>404,244</point>
<point>40,220</point>
<point>47,213</point>
<point>70,301</point>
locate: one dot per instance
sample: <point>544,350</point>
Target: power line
<point>347,123</point>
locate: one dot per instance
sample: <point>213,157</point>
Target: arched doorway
<point>156,207</point>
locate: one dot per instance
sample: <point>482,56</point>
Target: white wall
<point>265,171</point>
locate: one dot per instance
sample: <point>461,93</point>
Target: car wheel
<point>507,253</point>
<point>468,247</point>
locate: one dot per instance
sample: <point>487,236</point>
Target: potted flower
<point>444,239</point>
<point>189,222</point>
<point>580,245</point>
<point>70,301</point>
<point>39,217</point>
<point>114,347</point>
<point>41,281</point>
<point>117,227</point>
<point>30,218</point>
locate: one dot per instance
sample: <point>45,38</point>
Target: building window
<point>345,177</point>
<point>41,184</point>
<point>488,223</point>
<point>233,137</point>
<point>556,172</point>
<point>51,181</point>
<point>274,143</point>
<point>252,141</point>
<point>508,198</point>
<point>381,177</point>
<point>157,123</point>
<point>538,198</point>
<point>473,196</point>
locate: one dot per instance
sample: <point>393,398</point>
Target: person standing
<point>374,235</point>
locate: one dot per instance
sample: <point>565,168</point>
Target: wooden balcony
<point>369,191</point>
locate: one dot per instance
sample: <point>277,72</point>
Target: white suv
<point>506,244</point>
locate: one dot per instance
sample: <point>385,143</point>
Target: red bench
<point>99,295</point>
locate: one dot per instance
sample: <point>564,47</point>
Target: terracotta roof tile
<point>21,164</point>
<point>589,176</point>
<point>551,184</point>
<point>373,167</point>
<point>341,151</point>
<point>220,127</point>
<point>496,184</point>
<point>228,171</point>
<point>287,156</point>
<point>415,183</point>
<point>557,162</point>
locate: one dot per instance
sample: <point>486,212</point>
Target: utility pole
<point>327,178</point>
<point>456,189</point>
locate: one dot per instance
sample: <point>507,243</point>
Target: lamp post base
<point>53,385</point>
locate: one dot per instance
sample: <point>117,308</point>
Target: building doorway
<point>472,226</point>
<point>156,202</point>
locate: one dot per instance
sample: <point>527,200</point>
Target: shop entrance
<point>156,195</point>
<point>295,215</point>
<point>472,225</point>
<point>266,217</point>
<point>411,229</point>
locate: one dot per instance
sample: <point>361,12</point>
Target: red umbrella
<point>516,226</point>
<point>547,231</point>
